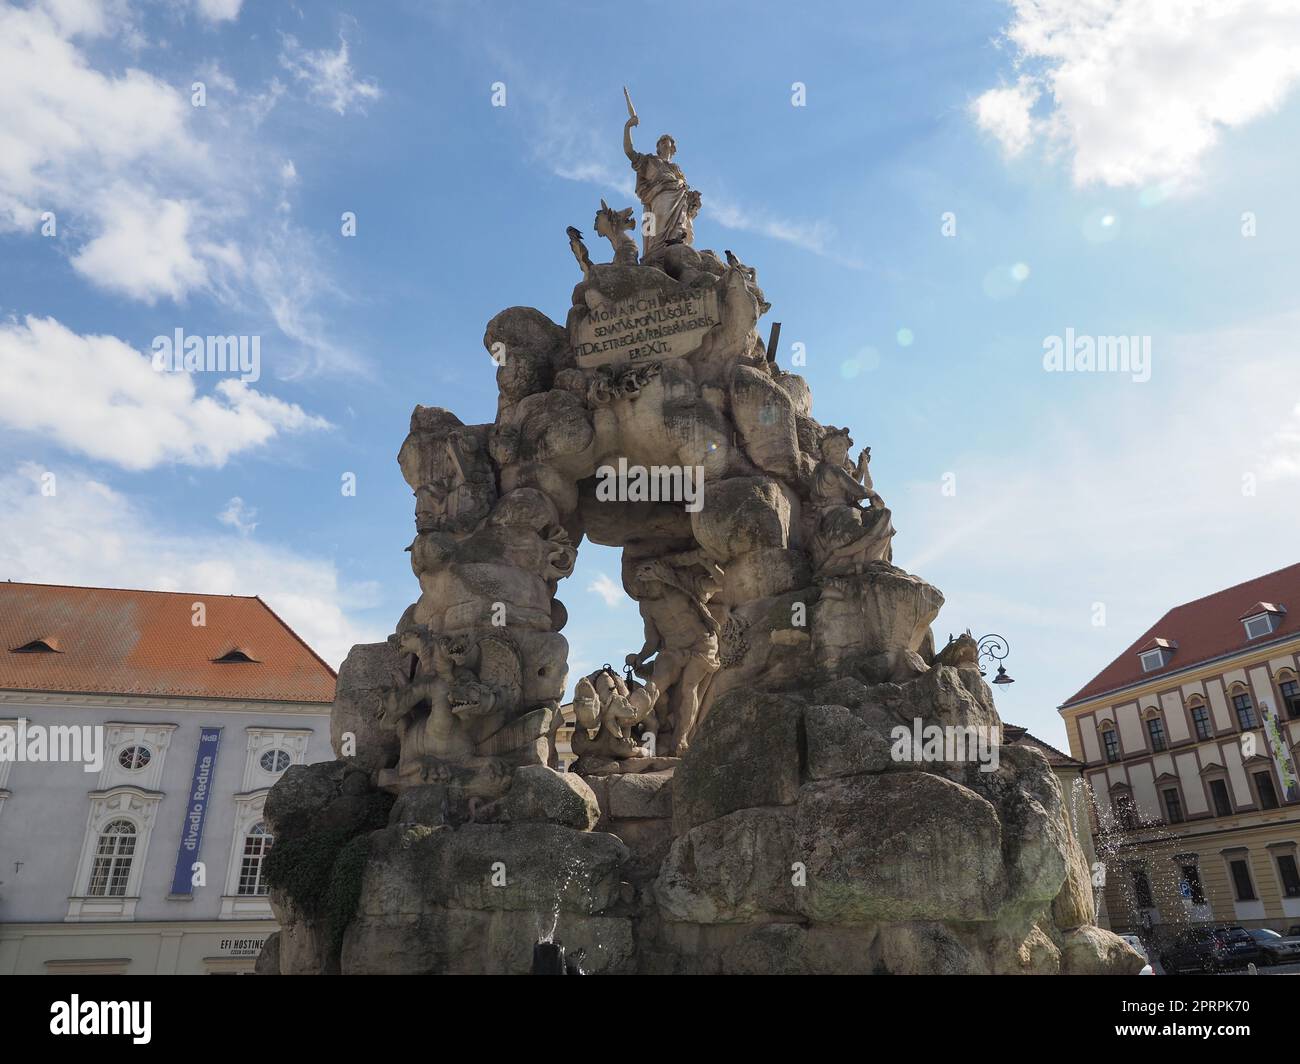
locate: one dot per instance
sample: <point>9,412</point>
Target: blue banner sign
<point>196,809</point>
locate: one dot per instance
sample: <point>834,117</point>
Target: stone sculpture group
<point>734,806</point>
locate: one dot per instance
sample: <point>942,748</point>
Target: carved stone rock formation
<point>746,808</point>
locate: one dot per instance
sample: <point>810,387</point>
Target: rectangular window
<point>1152,660</point>
<point>1286,868</point>
<point>1173,806</point>
<point>1142,890</point>
<point>1241,881</point>
<point>1192,878</point>
<point>1156,729</point>
<point>1201,718</point>
<point>1267,793</point>
<point>1222,803</point>
<point>1260,624</point>
<point>1245,711</point>
<point>1291,698</point>
<point>1111,739</point>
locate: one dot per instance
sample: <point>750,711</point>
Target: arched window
<point>1245,708</point>
<point>256,846</point>
<point>1200,718</point>
<point>1121,801</point>
<point>1156,731</point>
<point>1288,690</point>
<point>111,868</point>
<point>1110,741</point>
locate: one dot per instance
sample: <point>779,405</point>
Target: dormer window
<point>1262,619</point>
<point>1155,654</point>
<point>38,646</point>
<point>1153,659</point>
<point>234,657</point>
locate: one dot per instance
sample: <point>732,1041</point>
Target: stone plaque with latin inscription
<point>646,327</point>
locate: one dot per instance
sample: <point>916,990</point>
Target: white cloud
<point>87,533</point>
<point>67,131</point>
<point>98,396</point>
<point>153,203</point>
<point>239,516</point>
<point>328,76</point>
<point>145,250</point>
<point>220,10</point>
<point>1138,91</point>
<point>607,589</point>
<point>1006,114</point>
<point>817,237</point>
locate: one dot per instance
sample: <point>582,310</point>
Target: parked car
<point>1278,949</point>
<point>1293,931</point>
<point>1136,943</point>
<point>1210,948</point>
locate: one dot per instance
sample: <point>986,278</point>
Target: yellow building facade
<point>1189,744</point>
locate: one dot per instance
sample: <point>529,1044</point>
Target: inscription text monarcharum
<point>648,325</point>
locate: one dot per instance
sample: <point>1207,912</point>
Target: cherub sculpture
<point>606,710</point>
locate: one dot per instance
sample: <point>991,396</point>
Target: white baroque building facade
<point>148,857</point>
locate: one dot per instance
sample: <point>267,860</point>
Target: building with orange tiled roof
<point>139,734</point>
<point>1190,741</point>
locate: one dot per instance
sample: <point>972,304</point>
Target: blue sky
<point>1125,170</point>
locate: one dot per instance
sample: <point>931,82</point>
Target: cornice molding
<point>185,705</point>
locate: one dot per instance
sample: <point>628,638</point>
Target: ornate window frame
<point>261,739</point>
<point>140,808</point>
<point>235,906</point>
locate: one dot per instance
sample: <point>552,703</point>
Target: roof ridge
<point>128,590</point>
<point>1230,587</point>
<point>289,628</point>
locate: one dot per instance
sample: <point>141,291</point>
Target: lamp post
<point>994,647</point>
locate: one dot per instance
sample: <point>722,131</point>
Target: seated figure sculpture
<point>846,536</point>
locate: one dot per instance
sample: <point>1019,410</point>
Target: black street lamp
<point>995,648</point>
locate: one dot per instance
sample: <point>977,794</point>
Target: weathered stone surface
<point>882,611</point>
<point>794,949</point>
<point>642,794</point>
<point>469,942</point>
<point>742,514</point>
<point>745,754</point>
<point>923,949</point>
<point>367,673</point>
<point>841,744</point>
<point>1074,905</point>
<point>764,414</point>
<point>538,793</point>
<point>929,849</point>
<point>731,869</point>
<point>537,868</point>
<point>1035,835</point>
<point>268,960</point>
<point>1089,950</point>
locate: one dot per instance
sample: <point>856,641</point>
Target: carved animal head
<point>610,223</point>
<point>586,707</point>
<point>469,698</point>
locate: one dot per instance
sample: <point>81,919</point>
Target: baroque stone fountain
<point>737,805</point>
